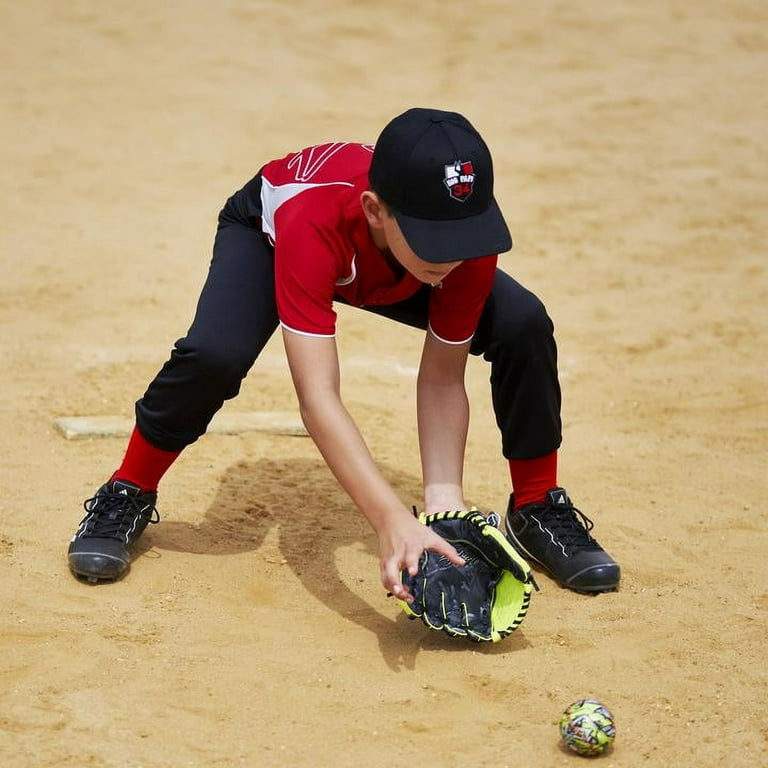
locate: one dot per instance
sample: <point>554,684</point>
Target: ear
<point>374,209</point>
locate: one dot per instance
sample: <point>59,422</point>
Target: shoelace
<point>569,525</point>
<point>112,514</point>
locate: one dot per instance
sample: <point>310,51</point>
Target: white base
<point>277,423</point>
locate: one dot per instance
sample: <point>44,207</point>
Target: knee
<point>219,359</point>
<point>526,320</point>
<point>514,328</point>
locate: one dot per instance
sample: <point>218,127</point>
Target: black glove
<point>485,599</point>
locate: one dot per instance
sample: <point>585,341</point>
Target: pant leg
<point>516,336</point>
<point>235,317</point>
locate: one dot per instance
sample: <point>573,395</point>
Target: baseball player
<point>408,229</point>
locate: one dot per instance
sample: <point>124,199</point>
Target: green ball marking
<point>587,727</point>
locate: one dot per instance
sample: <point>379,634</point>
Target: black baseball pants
<point>236,316</point>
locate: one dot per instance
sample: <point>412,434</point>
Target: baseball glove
<point>485,599</point>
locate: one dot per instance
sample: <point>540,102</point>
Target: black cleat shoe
<point>557,536</point>
<point>117,516</point>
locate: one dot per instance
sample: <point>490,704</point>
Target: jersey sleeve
<point>305,197</point>
<point>456,305</point>
<point>308,260</point>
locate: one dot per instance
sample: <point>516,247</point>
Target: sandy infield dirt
<point>631,160</point>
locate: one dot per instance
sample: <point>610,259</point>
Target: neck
<point>377,236</point>
<point>393,263</point>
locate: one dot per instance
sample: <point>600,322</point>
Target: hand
<point>484,600</point>
<point>401,544</point>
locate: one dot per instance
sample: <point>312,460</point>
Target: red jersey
<point>311,213</point>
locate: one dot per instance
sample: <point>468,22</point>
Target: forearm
<point>443,421</point>
<point>402,538</point>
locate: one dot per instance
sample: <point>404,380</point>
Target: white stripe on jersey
<point>445,341</point>
<point>310,161</point>
<point>352,274</point>
<point>273,197</point>
<point>307,333</point>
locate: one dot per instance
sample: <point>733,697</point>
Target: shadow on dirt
<point>314,520</point>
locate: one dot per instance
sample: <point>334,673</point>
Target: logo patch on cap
<point>459,180</point>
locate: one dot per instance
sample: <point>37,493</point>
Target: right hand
<point>401,544</point>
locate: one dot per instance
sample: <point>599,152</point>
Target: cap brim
<point>437,242</point>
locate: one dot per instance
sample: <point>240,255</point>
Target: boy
<point>408,229</point>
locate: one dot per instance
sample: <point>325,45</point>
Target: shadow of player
<point>314,519</point>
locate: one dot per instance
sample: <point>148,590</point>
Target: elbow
<point>316,406</point>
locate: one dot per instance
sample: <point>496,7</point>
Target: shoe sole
<point>93,577</point>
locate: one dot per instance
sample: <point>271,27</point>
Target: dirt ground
<point>630,149</point>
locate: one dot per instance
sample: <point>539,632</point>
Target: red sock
<point>532,478</point>
<point>143,464</point>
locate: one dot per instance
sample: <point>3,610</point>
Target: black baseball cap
<point>435,173</point>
